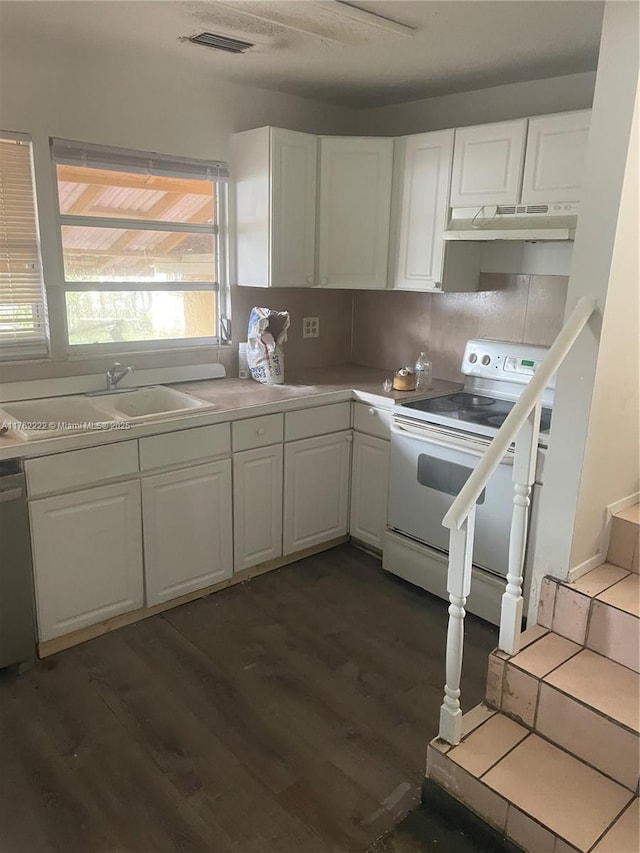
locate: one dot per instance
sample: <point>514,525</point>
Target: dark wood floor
<point>290,714</point>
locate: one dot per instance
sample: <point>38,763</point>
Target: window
<point>23,315</point>
<point>142,252</point>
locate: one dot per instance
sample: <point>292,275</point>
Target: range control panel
<point>501,360</point>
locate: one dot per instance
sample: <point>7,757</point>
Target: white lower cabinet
<point>316,490</point>
<point>257,506</point>
<point>87,554</point>
<point>187,530</point>
<point>369,488</point>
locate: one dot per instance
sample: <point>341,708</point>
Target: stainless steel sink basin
<point>148,403</point>
<point>52,416</point>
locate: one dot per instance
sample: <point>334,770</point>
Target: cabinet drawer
<point>186,445</point>
<point>257,432</point>
<point>371,420</point>
<point>78,468</point>
<point>319,421</point>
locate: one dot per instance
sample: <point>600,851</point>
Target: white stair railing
<point>522,426</point>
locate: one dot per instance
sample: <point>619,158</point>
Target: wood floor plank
<point>289,714</point>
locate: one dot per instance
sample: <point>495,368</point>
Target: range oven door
<point>429,466</point>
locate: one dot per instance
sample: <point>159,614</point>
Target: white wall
<point>611,466</point>
<point>134,101</point>
<point>516,100</point>
<point>598,259</point>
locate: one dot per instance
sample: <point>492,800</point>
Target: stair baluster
<point>458,587</point>
<point>524,473</point>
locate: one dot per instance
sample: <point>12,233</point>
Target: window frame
<point>220,287</point>
<point>39,351</point>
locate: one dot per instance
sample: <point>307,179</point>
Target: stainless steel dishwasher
<point>17,629</point>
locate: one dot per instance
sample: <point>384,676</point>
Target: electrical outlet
<point>310,327</point>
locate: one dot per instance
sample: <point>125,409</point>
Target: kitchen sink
<point>153,402</point>
<point>54,416</point>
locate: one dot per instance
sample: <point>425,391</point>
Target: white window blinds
<point>71,153</point>
<point>23,321</point>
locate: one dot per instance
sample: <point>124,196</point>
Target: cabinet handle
<point>260,431</point>
<point>372,411</point>
<point>324,281</point>
<point>349,438</point>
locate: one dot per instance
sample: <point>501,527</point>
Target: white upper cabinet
<point>354,211</point>
<point>556,152</point>
<point>422,174</point>
<point>487,164</point>
<point>275,174</point>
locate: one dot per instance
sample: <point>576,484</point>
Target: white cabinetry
<point>316,490</point>
<point>556,153</point>
<point>487,164</point>
<point>257,506</point>
<point>421,259</point>
<point>370,474</point>
<point>275,194</point>
<point>187,530</point>
<point>530,161</point>
<point>257,490</point>
<point>354,211</point>
<point>87,555</point>
<point>369,488</point>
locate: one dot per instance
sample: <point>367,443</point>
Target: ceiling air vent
<point>221,42</point>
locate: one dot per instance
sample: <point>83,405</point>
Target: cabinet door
<point>556,153</point>
<point>425,173</point>
<point>187,530</point>
<point>87,554</point>
<point>257,506</point>
<point>369,488</point>
<point>294,169</point>
<point>355,202</point>
<point>316,490</point>
<point>487,164</point>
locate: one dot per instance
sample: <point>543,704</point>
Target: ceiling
<point>457,45</point>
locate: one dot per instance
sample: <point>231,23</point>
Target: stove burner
<point>496,420</point>
<point>443,404</point>
<point>472,400</point>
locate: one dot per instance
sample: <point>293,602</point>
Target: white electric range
<point>435,444</point>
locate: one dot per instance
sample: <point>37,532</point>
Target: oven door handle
<point>449,442</point>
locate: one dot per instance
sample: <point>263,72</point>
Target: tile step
<point>541,797</point>
<point>624,543</point>
<point>601,610</point>
<point>579,700</point>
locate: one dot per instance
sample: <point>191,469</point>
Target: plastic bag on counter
<point>266,334</point>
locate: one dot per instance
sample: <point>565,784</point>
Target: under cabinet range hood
<point>553,221</point>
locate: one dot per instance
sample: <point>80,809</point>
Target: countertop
<point>242,398</point>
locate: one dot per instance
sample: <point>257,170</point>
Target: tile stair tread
<point>624,595</point>
<point>545,654</point>
<point>599,579</point>
<point>559,791</point>
<point>487,744</point>
<point>624,835</point>
<point>632,514</point>
<point>602,684</point>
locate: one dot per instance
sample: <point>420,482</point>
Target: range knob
<point>486,359</point>
<point>473,358</point>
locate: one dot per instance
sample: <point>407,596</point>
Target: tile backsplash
<point>334,308</point>
<point>391,328</point>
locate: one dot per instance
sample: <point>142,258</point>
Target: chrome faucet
<point>116,374</point>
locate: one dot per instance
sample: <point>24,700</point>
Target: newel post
<point>524,472</point>
<point>458,587</point>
